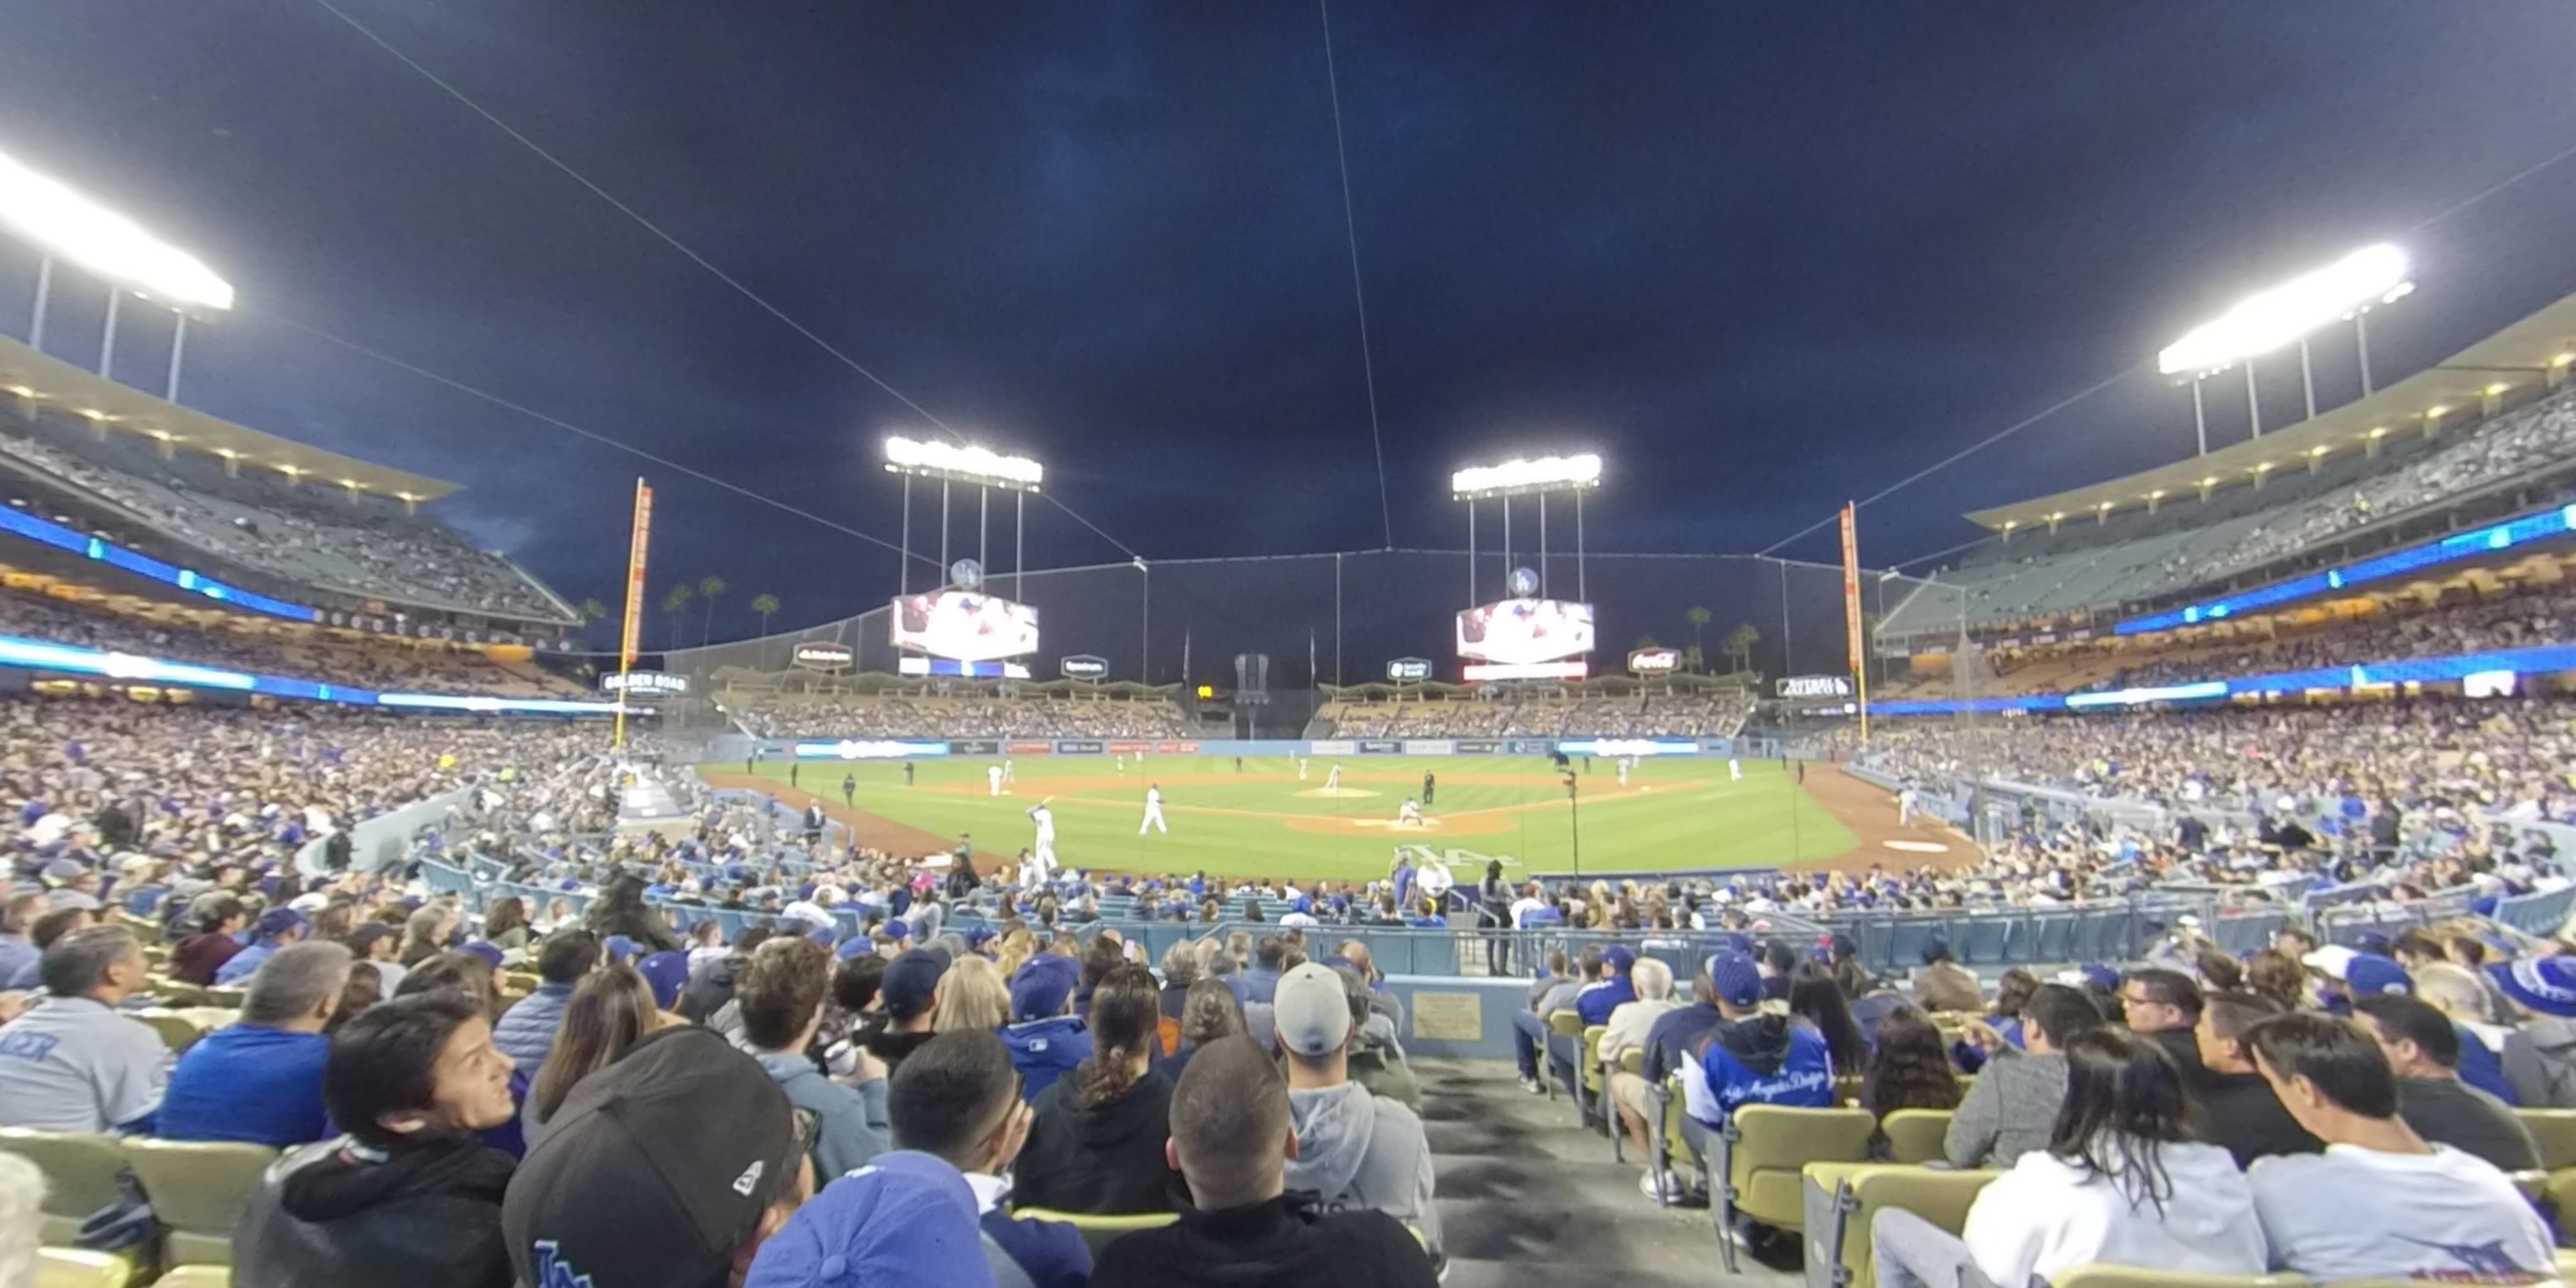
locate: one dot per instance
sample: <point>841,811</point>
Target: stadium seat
<point>2555,1132</point>
<point>227,997</point>
<point>177,1031</point>
<point>1671,1146</point>
<point>79,1268</point>
<point>1915,1135</point>
<point>1594,1094</point>
<point>2053,937</point>
<point>1855,1195</point>
<point>2102,1276</point>
<point>176,994</point>
<point>1761,1153</point>
<point>81,1175</point>
<point>1098,1229</point>
<point>1566,1025</point>
<point>196,1277</point>
<point>197,1190</point>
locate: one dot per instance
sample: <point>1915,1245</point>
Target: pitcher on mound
<point>1154,812</point>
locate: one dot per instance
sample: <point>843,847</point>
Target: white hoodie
<point>2046,1215</point>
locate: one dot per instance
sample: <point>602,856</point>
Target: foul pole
<point>638,538</point>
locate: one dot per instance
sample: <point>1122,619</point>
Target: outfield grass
<point>1264,822</point>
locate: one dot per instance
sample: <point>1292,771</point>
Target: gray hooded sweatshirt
<point>2540,1062</point>
<point>1363,1151</point>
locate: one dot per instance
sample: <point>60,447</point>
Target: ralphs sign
<point>822,657</point>
<point>1654,661</point>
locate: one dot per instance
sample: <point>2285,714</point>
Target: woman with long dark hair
<point>1096,1136</point>
<point>1910,1069</point>
<point>2126,1179</point>
<point>1818,1002</point>
<point>611,1010</point>
<point>620,910</point>
<point>505,924</point>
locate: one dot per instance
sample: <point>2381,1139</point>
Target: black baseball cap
<point>656,1169</point>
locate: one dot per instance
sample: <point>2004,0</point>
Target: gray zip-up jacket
<point>1357,1150</point>
<point>2009,1111</point>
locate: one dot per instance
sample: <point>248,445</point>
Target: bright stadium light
<point>1546,474</point>
<point>2268,320</point>
<point>66,225</point>
<point>977,465</point>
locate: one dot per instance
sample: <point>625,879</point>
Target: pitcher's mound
<point>1337,793</point>
<point>1462,825</point>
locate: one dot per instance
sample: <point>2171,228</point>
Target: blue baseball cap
<point>489,952</point>
<point>898,930</point>
<point>621,949</point>
<point>1043,986</point>
<point>1735,978</point>
<point>668,973</point>
<point>2543,984</point>
<point>277,921</point>
<point>910,980</point>
<point>2369,975</point>
<point>1618,959</point>
<point>854,946</point>
<point>906,1220</point>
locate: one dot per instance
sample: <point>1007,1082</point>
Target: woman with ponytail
<point>1096,1141</point>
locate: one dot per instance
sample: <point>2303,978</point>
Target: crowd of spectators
<point>311,536</point>
<point>1509,715</point>
<point>826,714</point>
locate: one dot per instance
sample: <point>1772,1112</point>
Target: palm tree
<point>1647,641</point>
<point>766,605</point>
<point>589,611</point>
<point>1691,660</point>
<point>709,589</point>
<point>676,603</point>
<point>1739,644</point>
<point>1698,618</point>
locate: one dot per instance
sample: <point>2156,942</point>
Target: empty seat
<point>78,1268</point>
<point>197,1190</point>
<point>1938,1195</point>
<point>1915,1135</point>
<point>2555,1132</point>
<point>81,1173</point>
<point>1761,1154</point>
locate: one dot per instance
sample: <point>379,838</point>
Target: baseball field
<point>1267,819</point>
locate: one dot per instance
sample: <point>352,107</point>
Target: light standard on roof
<point>2345,290</point>
<point>982,467</point>
<point>1576,474</point>
<point>63,224</point>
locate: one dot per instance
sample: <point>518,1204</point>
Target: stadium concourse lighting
<point>2345,290</point>
<point>979,467</point>
<point>63,224</point>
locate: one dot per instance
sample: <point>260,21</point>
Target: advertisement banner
<point>1531,746</point>
<point>1475,672</point>
<point>1409,670</point>
<point>1130,748</point>
<point>1082,666</point>
<point>1815,686</point>
<point>1430,747</point>
<point>637,539</point>
<point>1077,746</point>
<point>963,625</point>
<point>1654,661</point>
<point>644,684</point>
<point>1380,747</point>
<point>821,656</point>
<point>870,749</point>
<point>1028,748</point>
<point>1176,748</point>
<point>1629,746</point>
<point>975,747</point>
<point>1851,586</point>
<point>1480,747</point>
<point>1335,747</point>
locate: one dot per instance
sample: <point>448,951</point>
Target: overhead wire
<point>692,255</point>
<point>1351,235</point>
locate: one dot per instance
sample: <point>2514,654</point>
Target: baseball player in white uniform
<point>1010,772</point>
<point>1333,780</point>
<point>1040,867</point>
<point>1154,811</point>
<point>1409,812</point>
<point>1301,769</point>
<point>1623,771</point>
<point>1735,769</point>
<point>993,778</point>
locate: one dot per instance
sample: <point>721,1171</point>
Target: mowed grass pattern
<point>1264,822</point>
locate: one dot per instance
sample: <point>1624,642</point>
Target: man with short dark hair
<point>2244,1115</point>
<point>51,928</point>
<point>261,1080</point>
<point>958,1098</point>
<point>219,919</point>
<point>526,1032</point>
<point>2163,1006</point>
<point>410,1195</point>
<point>2379,1203</point>
<point>1529,1028</point>
<point>1269,962</point>
<point>907,992</point>
<point>1945,985</point>
<point>2013,1104</point>
<point>73,1063</point>
<point>17,917</point>
<point>1233,1132</point>
<point>277,928</point>
<point>2423,1048</point>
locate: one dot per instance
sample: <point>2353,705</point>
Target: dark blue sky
<point>1762,257</point>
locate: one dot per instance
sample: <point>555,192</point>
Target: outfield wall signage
<point>1629,747</point>
<point>1380,747</point>
<point>1530,746</point>
<point>1029,748</point>
<point>1130,748</point>
<point>644,684</point>
<point>822,657</point>
<point>870,749</point>
<point>1336,747</point>
<point>1176,748</point>
<point>1479,747</point>
<point>1815,686</point>
<point>1654,661</point>
<point>1431,747</point>
<point>1409,670</point>
<point>1077,746</point>
<point>976,747</point>
<point>1082,666</point>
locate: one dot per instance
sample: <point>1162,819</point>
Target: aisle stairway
<point>1526,1199</point>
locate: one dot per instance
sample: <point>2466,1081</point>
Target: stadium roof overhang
<point>52,382</point>
<point>2510,365</point>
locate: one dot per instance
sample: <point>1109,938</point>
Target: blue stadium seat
<point>1987,938</point>
<point>2052,937</point>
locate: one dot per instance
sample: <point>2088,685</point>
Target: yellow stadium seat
<point>1098,1229</point>
<point>197,1190</point>
<point>81,1172</point>
<point>2140,1277</point>
<point>2555,1131</point>
<point>1633,1063</point>
<point>196,1277</point>
<point>1916,1135</point>
<point>1847,1089</point>
<point>176,994</point>
<point>1567,1025</point>
<point>177,1031</point>
<point>76,1268</point>
<point>1760,1156</point>
<point>1594,1089</point>
<point>227,997</point>
<point>1938,1195</point>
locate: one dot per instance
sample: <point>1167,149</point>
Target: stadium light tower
<point>63,224</point>
<point>2343,291</point>
<point>1577,474</point>
<point>985,469</point>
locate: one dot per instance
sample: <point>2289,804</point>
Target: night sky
<point>1763,258</point>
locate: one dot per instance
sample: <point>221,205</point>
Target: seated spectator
<point>49,930</point>
<point>909,995</point>
<point>2540,1053</point>
<point>261,1080</point>
<point>1751,1056</point>
<point>2236,1100</point>
<point>611,1010</point>
<point>2163,1006</point>
<point>671,1166</point>
<point>2012,1108</point>
<point>1945,985</point>
<point>1613,989</point>
<point>1046,1039</point>
<point>2464,999</point>
<point>1180,970</point>
<point>1096,1144</point>
<point>781,994</point>
<point>1269,962</point>
<point>1208,1016</point>
<point>219,919</point>
<point>1375,1062</point>
<point>1233,1129</point>
<point>2124,1180</point>
<point>409,1196</point>
<point>277,928</point>
<point>2423,1049</point>
<point>527,1030</point>
<point>373,945</point>
<point>1529,1028</point>
<point>958,1098</point>
<point>1818,1003</point>
<point>906,1219</point>
<point>1386,1010</point>
<point>2012,992</point>
<point>2379,1203</point>
<point>1354,1149</point>
<point>17,917</point>
<point>427,931</point>
<point>73,1063</point>
<point>1632,1024</point>
<point>1909,1069</point>
<point>972,998</point>
<point>1668,1047</point>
